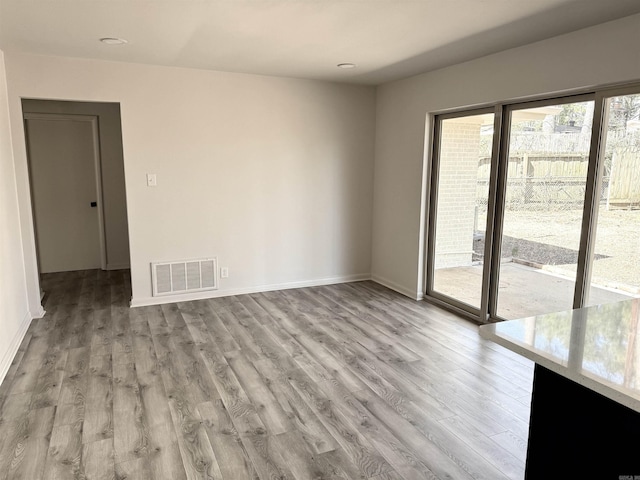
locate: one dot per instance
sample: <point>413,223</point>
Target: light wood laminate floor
<point>350,381</point>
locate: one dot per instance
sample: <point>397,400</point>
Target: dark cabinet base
<point>576,433</point>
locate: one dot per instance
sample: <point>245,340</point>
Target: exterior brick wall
<point>459,154</point>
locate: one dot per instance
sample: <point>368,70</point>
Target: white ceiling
<point>387,39</point>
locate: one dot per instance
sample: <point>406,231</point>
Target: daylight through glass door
<point>543,203</point>
<point>615,262</point>
<point>463,167</point>
<point>535,206</point>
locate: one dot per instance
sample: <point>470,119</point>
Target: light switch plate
<point>151,180</point>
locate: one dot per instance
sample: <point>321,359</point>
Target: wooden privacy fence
<point>548,170</point>
<point>557,181</point>
<point>624,187</point>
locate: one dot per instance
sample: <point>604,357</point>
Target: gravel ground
<point>552,239</point>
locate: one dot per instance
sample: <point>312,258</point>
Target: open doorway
<point>76,174</point>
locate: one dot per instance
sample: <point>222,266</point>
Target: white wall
<point>14,311</point>
<point>272,175</point>
<point>607,53</point>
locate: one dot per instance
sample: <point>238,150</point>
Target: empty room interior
<point>391,239</point>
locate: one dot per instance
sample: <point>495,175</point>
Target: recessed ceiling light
<point>346,65</point>
<point>113,41</point>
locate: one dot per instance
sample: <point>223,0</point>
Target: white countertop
<point>598,347</point>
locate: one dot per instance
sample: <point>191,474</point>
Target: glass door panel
<point>615,272</point>
<point>463,168</point>
<point>546,176</point>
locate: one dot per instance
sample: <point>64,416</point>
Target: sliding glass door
<point>615,260</point>
<point>535,207</point>
<point>460,213</point>
<point>546,173</point>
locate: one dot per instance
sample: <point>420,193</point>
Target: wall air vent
<point>169,278</point>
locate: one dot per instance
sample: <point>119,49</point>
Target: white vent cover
<point>184,276</point>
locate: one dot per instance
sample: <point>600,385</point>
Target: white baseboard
<point>39,312</point>
<point>118,266</point>
<point>398,288</point>
<point>7,358</point>
<point>145,301</point>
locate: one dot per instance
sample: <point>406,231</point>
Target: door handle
<point>94,204</point>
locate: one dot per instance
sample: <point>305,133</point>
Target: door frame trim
<point>97,168</point>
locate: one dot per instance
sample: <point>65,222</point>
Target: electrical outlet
<point>224,272</point>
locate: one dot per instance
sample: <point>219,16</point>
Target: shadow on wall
<point>528,30</point>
